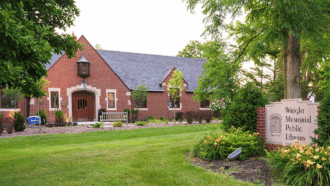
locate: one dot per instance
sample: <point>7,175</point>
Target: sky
<point>161,27</point>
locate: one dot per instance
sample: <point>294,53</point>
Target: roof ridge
<point>147,54</point>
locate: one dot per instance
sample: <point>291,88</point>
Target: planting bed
<point>254,170</point>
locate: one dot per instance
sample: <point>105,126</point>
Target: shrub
<point>117,124</point>
<point>1,115</point>
<point>59,117</point>
<point>96,125</point>
<point>8,124</point>
<point>151,117</point>
<point>323,122</point>
<point>19,121</point>
<point>43,116</point>
<point>199,116</point>
<point>190,116</point>
<point>2,125</point>
<point>178,116</point>
<point>128,113</point>
<point>220,106</point>
<point>135,114</point>
<point>242,111</point>
<point>154,120</point>
<point>218,145</point>
<point>301,164</point>
<point>140,123</point>
<point>207,116</point>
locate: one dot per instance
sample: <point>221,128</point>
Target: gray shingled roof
<point>53,60</point>
<point>135,69</point>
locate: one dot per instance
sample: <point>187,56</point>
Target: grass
<point>150,156</point>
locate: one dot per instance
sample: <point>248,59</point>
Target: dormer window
<point>83,67</point>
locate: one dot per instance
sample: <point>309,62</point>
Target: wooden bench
<point>114,116</point>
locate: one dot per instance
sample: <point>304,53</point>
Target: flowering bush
<point>220,105</point>
<point>301,164</point>
<point>218,145</point>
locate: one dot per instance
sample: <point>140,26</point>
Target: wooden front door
<point>83,103</point>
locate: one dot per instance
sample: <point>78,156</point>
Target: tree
<point>98,46</point>
<point>28,37</point>
<point>287,23</point>
<point>220,76</point>
<point>194,49</point>
<point>175,86</point>
<point>140,94</point>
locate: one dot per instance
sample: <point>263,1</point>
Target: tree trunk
<point>27,106</point>
<point>291,68</point>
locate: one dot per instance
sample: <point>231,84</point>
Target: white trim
<point>164,84</point>
<point>141,108</point>
<point>32,101</point>
<point>9,109</point>
<point>128,93</point>
<point>184,85</point>
<point>116,99</point>
<point>50,100</point>
<point>204,108</point>
<point>176,108</point>
<point>129,102</point>
<point>97,94</point>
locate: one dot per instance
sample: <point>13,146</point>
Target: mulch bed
<point>254,170</point>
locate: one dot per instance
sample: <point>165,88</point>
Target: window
<point>143,104</point>
<point>7,102</point>
<point>176,103</point>
<point>54,99</point>
<point>205,104</point>
<point>111,100</point>
<point>82,104</point>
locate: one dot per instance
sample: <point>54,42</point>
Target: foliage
<point>19,122</point>
<point>194,49</point>
<point>163,119</point>
<point>272,27</point>
<point>135,113</point>
<point>43,116</point>
<point>323,122</point>
<point>117,124</point>
<point>179,116</point>
<point>220,105</point>
<point>220,76</point>
<point>28,37</point>
<point>96,125</point>
<point>151,117</point>
<point>2,125</point>
<point>1,115</point>
<point>59,116</point>
<point>190,116</point>
<point>199,116</point>
<point>98,47</point>
<point>242,111</point>
<point>207,116</point>
<point>218,145</point>
<point>175,86</point>
<point>301,164</point>
<point>154,120</point>
<point>140,94</point>
<point>140,123</point>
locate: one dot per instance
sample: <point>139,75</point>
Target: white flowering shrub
<point>220,105</point>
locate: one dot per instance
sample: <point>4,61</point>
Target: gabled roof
<point>137,69</point>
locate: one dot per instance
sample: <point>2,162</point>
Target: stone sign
<point>290,119</point>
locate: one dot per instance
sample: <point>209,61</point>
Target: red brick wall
<point>261,128</point>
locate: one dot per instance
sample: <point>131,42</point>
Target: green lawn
<point>150,156</point>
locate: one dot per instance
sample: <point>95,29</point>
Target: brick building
<point>102,79</point>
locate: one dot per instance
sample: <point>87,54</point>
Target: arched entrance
<point>83,106</point>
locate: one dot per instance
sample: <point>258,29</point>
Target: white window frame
<point>116,99</point>
<point>50,100</point>
<point>200,108</point>
<point>180,102</point>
